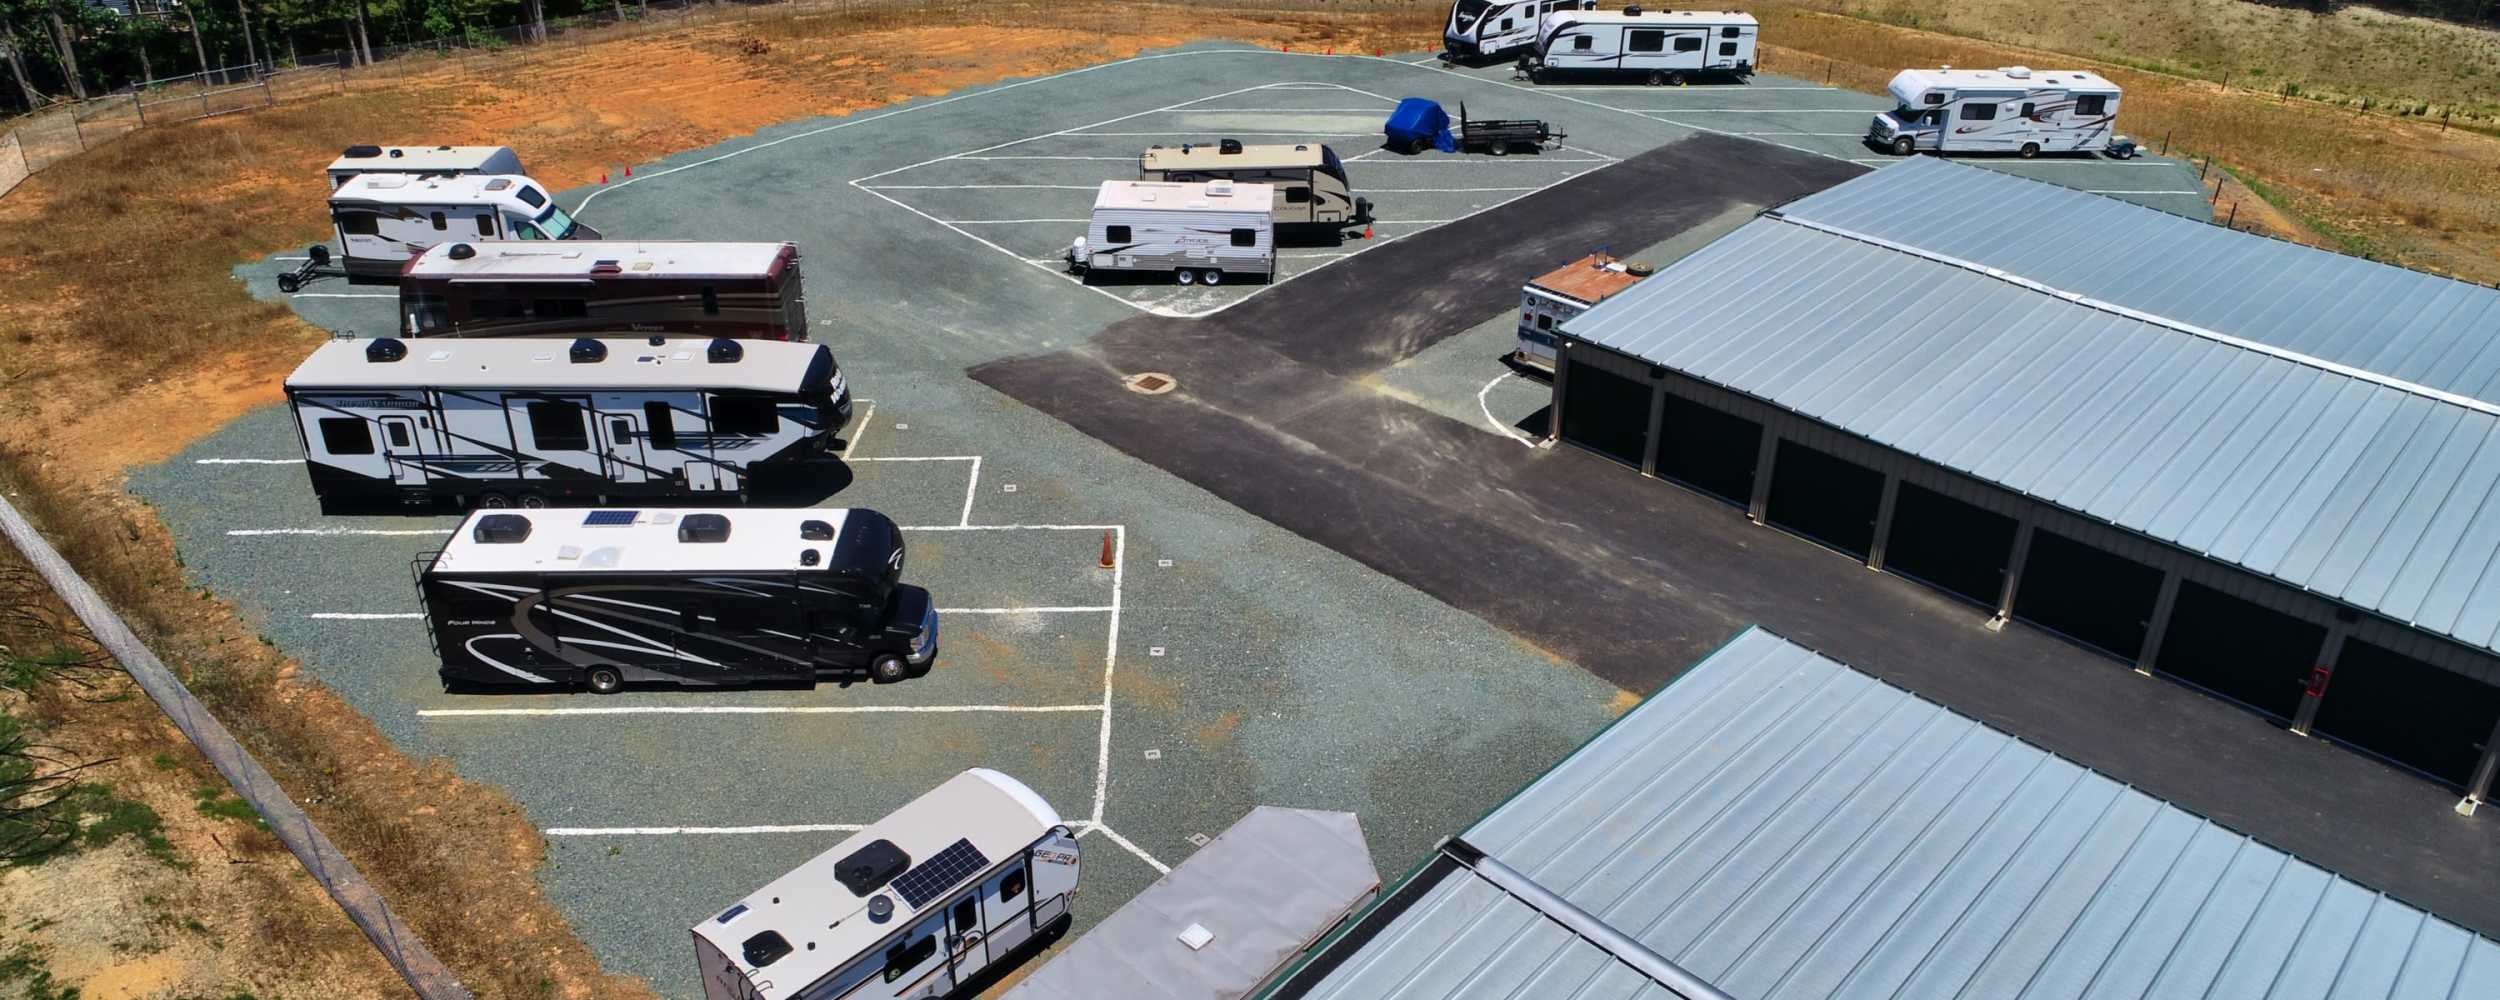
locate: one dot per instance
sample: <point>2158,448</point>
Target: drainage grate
<point>1150,383</point>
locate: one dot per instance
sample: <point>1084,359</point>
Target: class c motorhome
<point>2010,110</point>
<point>1664,48</point>
<point>441,161</point>
<point>604,598</point>
<point>1206,232</point>
<point>1311,189</point>
<point>975,873</point>
<point>383,220</point>
<point>506,288</point>
<point>1490,29</point>
<point>526,421</point>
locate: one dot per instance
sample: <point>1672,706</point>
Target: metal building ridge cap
<point>2359,374</point>
<point>1550,904</point>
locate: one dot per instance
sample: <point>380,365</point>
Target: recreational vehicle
<point>522,421</point>
<point>441,161</point>
<point>1480,30</point>
<point>604,598</point>
<point>501,288</point>
<point>1311,187</point>
<point>2010,110</point>
<point>1198,232</point>
<point>976,873</point>
<point>1562,293</point>
<point>1664,47</point>
<point>385,219</point>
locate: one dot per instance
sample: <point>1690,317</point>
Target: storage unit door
<point>2257,656</point>
<point>2408,711</point>
<point>1607,413</point>
<point>1950,545</point>
<point>1708,449</point>
<point>2085,594</point>
<point>1831,500</point>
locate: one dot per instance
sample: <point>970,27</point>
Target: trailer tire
<point>603,680</point>
<point>1904,146</point>
<point>1499,149</point>
<point>1415,147</point>
<point>1212,276</point>
<point>491,500</point>
<point>289,283</point>
<point>1185,276</point>
<point>2030,149</point>
<point>1657,79</point>
<point>888,669</point>
<point>1675,79</point>
<point>533,500</point>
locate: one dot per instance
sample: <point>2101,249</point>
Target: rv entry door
<point>554,437</point>
<point>1007,909</point>
<point>403,449</point>
<point>967,941</point>
<point>621,434</point>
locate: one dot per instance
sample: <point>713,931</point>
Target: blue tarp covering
<point>1419,120</point>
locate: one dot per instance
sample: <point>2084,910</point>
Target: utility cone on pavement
<point>1106,550</point>
<point>603,177</point>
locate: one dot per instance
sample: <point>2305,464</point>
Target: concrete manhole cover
<point>1150,383</point>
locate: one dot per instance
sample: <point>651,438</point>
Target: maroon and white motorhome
<point>490,288</point>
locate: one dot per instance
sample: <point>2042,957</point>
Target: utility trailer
<point>975,875</point>
<point>1500,136</point>
<point>508,288</point>
<point>604,598</point>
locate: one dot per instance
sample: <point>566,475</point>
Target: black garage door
<point>2408,711</point>
<point>2250,654</point>
<point>2095,598</point>
<point>1831,500</point>
<point>1708,449</point>
<point>1949,544</point>
<point>1606,412</point>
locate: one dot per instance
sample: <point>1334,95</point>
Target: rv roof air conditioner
<point>360,152</point>
<point>724,351</point>
<point>501,529</point>
<point>1633,10</point>
<point>703,528</point>
<point>1228,147</point>
<point>461,251</point>
<point>2017,72</point>
<point>816,531</point>
<point>868,869</point>
<point>385,350</point>
<point>587,351</point>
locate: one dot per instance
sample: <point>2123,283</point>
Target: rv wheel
<point>1185,276</point>
<point>1675,79</point>
<point>2030,149</point>
<point>533,500</point>
<point>1904,146</point>
<point>603,680</point>
<point>493,500</point>
<point>1212,276</point>
<point>1500,149</point>
<point>288,283</point>
<point>888,669</point>
<point>1657,79</point>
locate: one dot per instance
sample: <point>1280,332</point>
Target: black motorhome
<point>602,598</point>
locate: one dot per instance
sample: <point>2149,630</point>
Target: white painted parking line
<point>474,713</point>
<point>1083,610</point>
<point>376,532</point>
<point>1149,859</point>
<point>363,616</point>
<point>866,420</point>
<point>1118,159</point>
<point>985,187</point>
<point>248,461</point>
<point>676,831</point>
<point>1289,111</point>
<point>1110,667</point>
<point>1823,135</point>
<point>1487,408</point>
<point>1689,91</point>
<point>1004,222</point>
<point>1862,112</point>
<point>972,488</point>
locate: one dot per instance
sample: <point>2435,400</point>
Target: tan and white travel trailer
<point>2011,110</point>
<point>386,220</point>
<point>442,161</point>
<point>1311,187</point>
<point>507,288</point>
<point>977,872</point>
<point>1663,47</point>
<point>1200,232</point>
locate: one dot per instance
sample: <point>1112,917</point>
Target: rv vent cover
<point>703,528</point>
<point>461,251</point>
<point>501,529</point>
<point>816,531</point>
<point>1228,147</point>
<point>385,349</point>
<point>765,949</point>
<point>397,153</point>
<point>360,152</point>
<point>587,351</point>
<point>2018,72</point>
<point>809,557</point>
<point>606,267</point>
<point>497,184</point>
<point>868,869</point>
<point>1632,11</point>
<point>724,351</point>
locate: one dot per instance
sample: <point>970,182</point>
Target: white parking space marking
<point>972,488</point>
<point>674,831</point>
<point>986,187</point>
<point>1860,112</point>
<point>1374,190</point>
<point>1487,408</point>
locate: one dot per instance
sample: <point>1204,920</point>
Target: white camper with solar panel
<point>975,875</point>
<point>1205,232</point>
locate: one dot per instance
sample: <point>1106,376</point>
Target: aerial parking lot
<point>1230,654</point>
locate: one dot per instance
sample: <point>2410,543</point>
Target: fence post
<point>76,133</point>
<point>139,106</point>
<point>2206,167</point>
<point>2234,220</point>
<point>2443,118</point>
<point>2165,142</point>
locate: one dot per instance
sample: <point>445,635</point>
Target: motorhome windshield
<point>1328,165</point>
<point>551,224</point>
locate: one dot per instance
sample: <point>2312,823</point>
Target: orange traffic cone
<point>1332,50</point>
<point>629,170</point>
<point>603,177</point>
<point>1367,232</point>
<point>1106,551</point>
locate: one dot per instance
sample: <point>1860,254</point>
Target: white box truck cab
<point>444,161</point>
<point>1206,232</point>
<point>1312,192</point>
<point>1487,30</point>
<point>2009,110</point>
<point>977,873</point>
<point>385,220</point>
<point>1662,47</point>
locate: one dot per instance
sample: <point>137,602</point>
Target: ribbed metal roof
<point>2322,420</point>
<point>1787,828</point>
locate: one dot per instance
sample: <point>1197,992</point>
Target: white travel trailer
<point>975,873</point>
<point>438,160</point>
<point>386,220</point>
<point>2009,110</point>
<point>1490,29</point>
<point>1664,47</point>
<point>506,421</point>
<point>1200,232</point>
<point>1311,187</point>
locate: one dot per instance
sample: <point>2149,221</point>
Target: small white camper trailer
<point>1200,232</point>
<point>1663,47</point>
<point>443,161</point>
<point>1490,29</point>
<point>385,220</point>
<point>977,872</point>
<point>2011,110</point>
<point>521,420</point>
<point>1312,192</point>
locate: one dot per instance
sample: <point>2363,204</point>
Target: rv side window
<point>560,308</point>
<point>1245,237</point>
<point>620,430</point>
<point>346,436</point>
<point>398,433</point>
<point>556,425</point>
<point>744,415</point>
<point>1728,32</point>
<point>1580,43</point>
<point>486,225</point>
<point>1979,112</point>
<point>441,222</point>
<point>907,955</point>
<point>968,915</point>
<point>428,314</point>
<point>359,223</point>
<point>711,301</point>
<point>1115,234</point>
<point>660,419</point>
<point>1647,40</point>
<point>2028,112</point>
<point>530,196</point>
<point>1545,322</point>
<point>1688,43</point>
<point>1931,100</point>
<point>2092,104</point>
<point>1011,887</point>
<point>1297,196</point>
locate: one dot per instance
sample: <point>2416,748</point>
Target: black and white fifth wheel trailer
<point>442,161</point>
<point>527,421</point>
<point>385,220</point>
<point>1205,232</point>
<point>1481,30</point>
<point>2010,110</point>
<point>1663,47</point>
<point>976,873</point>
<point>604,598</point>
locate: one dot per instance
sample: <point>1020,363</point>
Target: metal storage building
<point>2261,469</point>
<point>1773,825</point>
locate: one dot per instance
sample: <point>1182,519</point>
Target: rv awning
<point>1261,891</point>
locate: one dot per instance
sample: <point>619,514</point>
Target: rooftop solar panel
<point>598,518</point>
<point>930,880</point>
